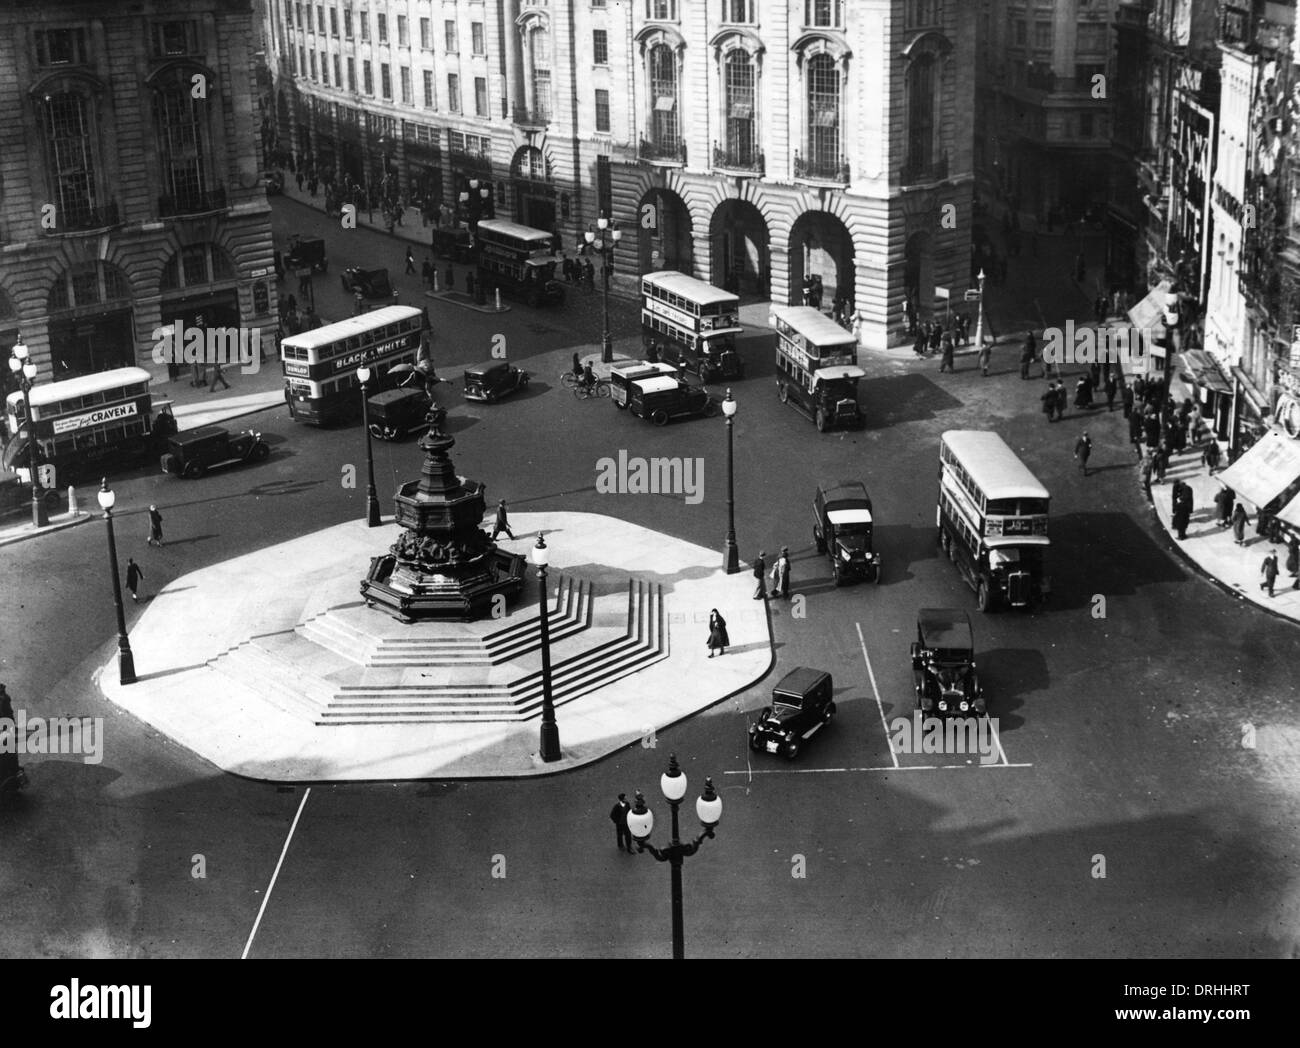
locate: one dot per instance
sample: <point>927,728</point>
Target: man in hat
<point>133,577</point>
<point>1269,570</point>
<point>502,522</point>
<point>760,571</point>
<point>618,815</point>
<point>155,528</point>
<point>1082,449</point>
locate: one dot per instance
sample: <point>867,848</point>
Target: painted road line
<point>751,772</point>
<point>996,738</point>
<point>271,887</point>
<point>879,705</point>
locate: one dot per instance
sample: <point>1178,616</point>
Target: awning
<point>1149,314</point>
<point>1199,367</point>
<point>1257,402</point>
<point>1290,513</point>
<point>1265,471</point>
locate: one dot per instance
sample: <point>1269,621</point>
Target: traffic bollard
<point>72,502</point>
<point>498,298</point>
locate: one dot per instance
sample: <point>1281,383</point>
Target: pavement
<point>267,597</point>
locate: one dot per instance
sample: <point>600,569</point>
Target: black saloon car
<point>306,252</point>
<point>192,453</point>
<point>943,664</point>
<point>842,529</point>
<point>801,707</point>
<point>393,413</point>
<point>372,283</point>
<point>493,380</point>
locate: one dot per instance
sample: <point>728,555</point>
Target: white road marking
<point>996,737</point>
<point>271,887</point>
<point>879,705</point>
<point>904,767</point>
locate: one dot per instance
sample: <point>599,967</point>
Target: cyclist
<point>588,376</point>
<point>577,368</point>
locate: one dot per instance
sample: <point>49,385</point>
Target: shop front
<point>1267,476</point>
<point>1213,391</point>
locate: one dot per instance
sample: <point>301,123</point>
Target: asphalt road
<point>1122,735</point>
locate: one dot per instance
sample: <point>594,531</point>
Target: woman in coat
<point>717,633</point>
<point>1239,524</point>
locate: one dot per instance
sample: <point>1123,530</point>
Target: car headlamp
<point>943,706</point>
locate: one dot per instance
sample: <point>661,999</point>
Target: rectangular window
<point>385,80</point>
<point>1019,34</point>
<point>174,38</point>
<point>367,77</point>
<point>313,66</point>
<point>604,185</point>
<point>663,10</point>
<point>449,36</point>
<point>382,25</point>
<point>1043,36</point>
<point>302,60</point>
<point>352,74</point>
<point>426,34</point>
<point>476,38</point>
<point>602,109</point>
<point>320,19</point>
<point>737,10</point>
<point>480,96</point>
<point>1092,38</point>
<point>453,92</point>
<point>402,40</point>
<point>600,46</point>
<point>347,23</point>
<point>334,22</point>
<point>365,26</point>
<point>405,75</point>
<point>428,89</point>
<point>338,76</point>
<point>63,47</point>
<point>825,13</point>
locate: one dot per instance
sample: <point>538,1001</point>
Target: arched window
<point>663,92</point>
<point>180,128</point>
<point>920,113</point>
<point>739,99</point>
<point>823,143</point>
<point>71,144</point>
<point>539,52</point>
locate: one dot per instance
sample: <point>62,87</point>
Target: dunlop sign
<point>94,418</point>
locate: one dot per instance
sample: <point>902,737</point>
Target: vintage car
<point>801,707</point>
<point>304,252</point>
<point>663,397</point>
<point>943,664</point>
<point>842,529</point>
<point>372,283</point>
<point>394,413</point>
<point>455,244</point>
<point>621,377</point>
<point>493,380</point>
<point>192,453</point>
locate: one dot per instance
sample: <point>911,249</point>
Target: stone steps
<point>284,683</point>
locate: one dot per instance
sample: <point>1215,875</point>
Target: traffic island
<point>293,679</point>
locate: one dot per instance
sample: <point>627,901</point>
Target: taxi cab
<point>493,380</point>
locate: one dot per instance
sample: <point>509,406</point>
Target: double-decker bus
<point>816,366</point>
<point>320,366</point>
<point>518,259</point>
<point>992,519</point>
<point>693,323</point>
<point>79,422</point>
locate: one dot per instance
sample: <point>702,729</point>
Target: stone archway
<point>821,245</point>
<point>664,238</point>
<point>740,246</point>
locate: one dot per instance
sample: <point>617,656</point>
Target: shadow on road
<point>896,399</point>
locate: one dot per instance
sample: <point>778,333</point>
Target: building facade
<point>752,143</point>
<point>130,186</point>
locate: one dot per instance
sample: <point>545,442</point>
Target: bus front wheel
<point>822,421</point>
<point>984,596</point>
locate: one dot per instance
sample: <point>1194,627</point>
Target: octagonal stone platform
<point>294,679</point>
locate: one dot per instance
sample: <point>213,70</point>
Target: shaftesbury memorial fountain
<point>443,565</point>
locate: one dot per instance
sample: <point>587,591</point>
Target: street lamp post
<point>640,822</point>
<point>125,660</point>
<point>606,251</point>
<point>979,316</point>
<point>730,555</point>
<point>550,740</point>
<point>24,369</point>
<point>372,500</point>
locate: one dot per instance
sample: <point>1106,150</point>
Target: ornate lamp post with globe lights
<point>550,740</point>
<point>372,501</point>
<point>605,248</point>
<point>24,369</point>
<point>730,555</point>
<point>125,660</point>
<point>641,821</point>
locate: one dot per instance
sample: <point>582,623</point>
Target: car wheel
<point>984,596</point>
<point>830,711</point>
<point>194,470</point>
<point>377,431</point>
<point>755,744</point>
<point>791,750</point>
<point>660,417</point>
<point>783,393</point>
<point>260,452</point>
<point>710,408</point>
<point>523,379</point>
<point>822,421</point>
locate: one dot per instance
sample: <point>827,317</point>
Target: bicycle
<point>596,390</point>
<point>568,379</point>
